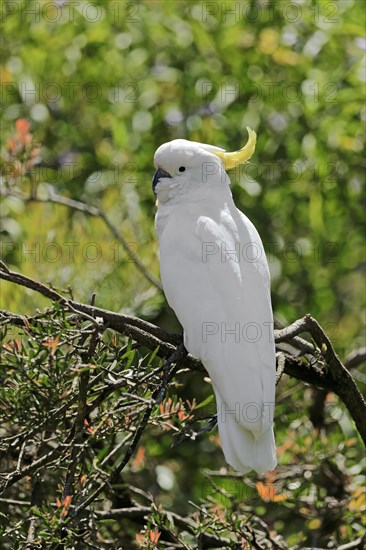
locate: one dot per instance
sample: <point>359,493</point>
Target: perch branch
<point>333,376</point>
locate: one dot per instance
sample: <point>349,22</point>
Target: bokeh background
<point>103,84</point>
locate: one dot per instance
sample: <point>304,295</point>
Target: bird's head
<point>189,167</point>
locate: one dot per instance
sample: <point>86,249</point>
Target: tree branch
<point>139,513</point>
<point>332,376</point>
<point>355,358</point>
<point>357,544</point>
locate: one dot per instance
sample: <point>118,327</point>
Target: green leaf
<point>208,400</point>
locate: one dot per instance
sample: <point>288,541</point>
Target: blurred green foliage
<point>105,82</point>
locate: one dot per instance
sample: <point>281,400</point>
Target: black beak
<point>160,173</point>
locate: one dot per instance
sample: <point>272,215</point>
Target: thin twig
<point>91,211</point>
<point>171,367</point>
<point>80,418</point>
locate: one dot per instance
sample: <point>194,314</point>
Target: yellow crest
<point>231,160</point>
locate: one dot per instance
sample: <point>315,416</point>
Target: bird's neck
<point>214,195</point>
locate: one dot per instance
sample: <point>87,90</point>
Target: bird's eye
<point>182,168</point>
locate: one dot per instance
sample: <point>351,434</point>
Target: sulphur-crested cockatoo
<point>215,277</point>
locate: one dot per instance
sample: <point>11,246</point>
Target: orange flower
<point>83,480</point>
<point>268,492</point>
<point>23,136</point>
<point>166,406</point>
<point>139,458</point>
<point>21,145</point>
<point>51,343</point>
<point>87,427</point>
<point>13,346</point>
<point>22,125</point>
<point>140,537</point>
<point>154,536</point>
<point>11,144</point>
<point>66,506</point>
<point>182,415</point>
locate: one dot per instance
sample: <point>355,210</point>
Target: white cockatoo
<point>215,277</point>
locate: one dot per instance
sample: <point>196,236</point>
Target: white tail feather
<point>242,450</point>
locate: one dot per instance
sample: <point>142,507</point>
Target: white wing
<point>215,277</point>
